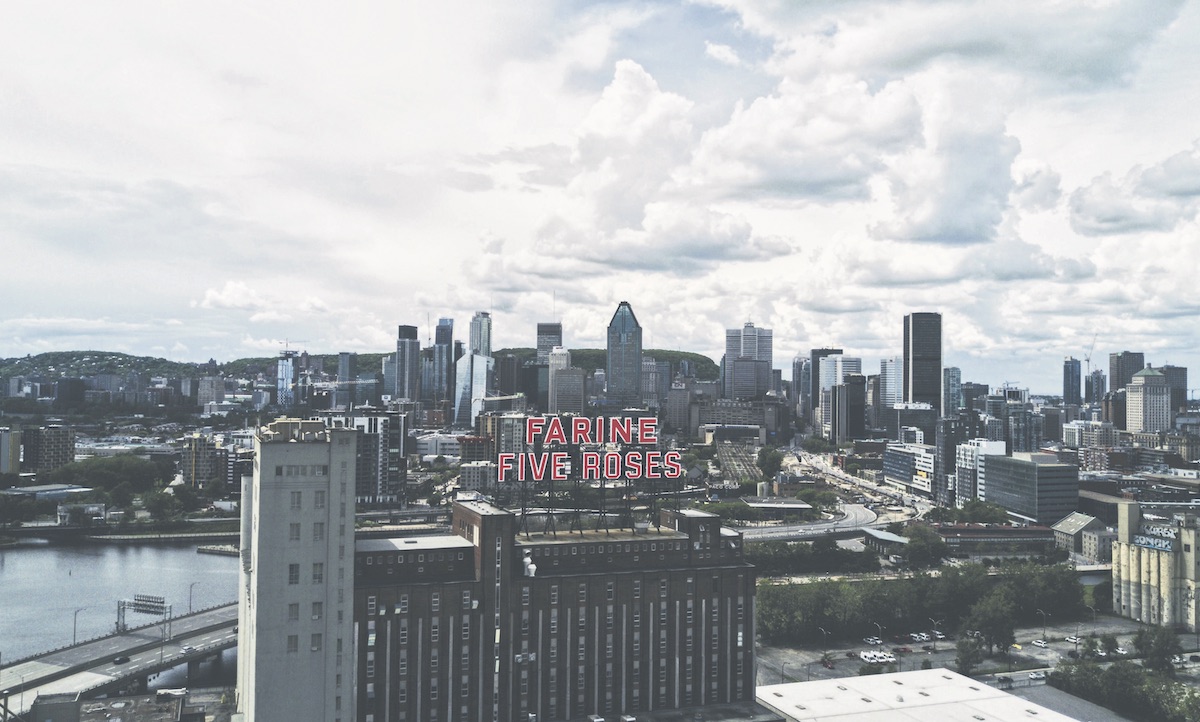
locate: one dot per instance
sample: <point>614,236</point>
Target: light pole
<point>190,596</point>
<point>879,627</point>
<point>824,642</point>
<point>1044,615</point>
<point>935,623</point>
<point>782,675</point>
<point>1093,618</point>
<point>75,625</point>
<point>162,627</point>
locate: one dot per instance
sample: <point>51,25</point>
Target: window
<point>318,610</point>
<point>316,643</point>
<point>435,601</point>
<point>403,603</point>
<point>294,612</point>
<point>433,632</point>
<point>295,500</point>
<point>318,573</point>
<point>319,531</point>
<point>609,591</point>
<point>293,574</point>
<point>466,629</point>
<point>403,633</point>
<point>466,599</point>
<point>554,594</point>
<point>279,470</point>
<point>294,531</point>
<point>319,501</point>
<point>433,661</point>
<point>525,596</point>
<point>293,643</point>
<point>637,590</point>
<point>553,621</point>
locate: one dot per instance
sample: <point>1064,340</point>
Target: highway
<point>857,517</point>
<point>90,665</point>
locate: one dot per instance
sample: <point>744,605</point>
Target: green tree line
<point>963,597</point>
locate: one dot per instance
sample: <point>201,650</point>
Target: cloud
<point>1036,186</point>
<point>233,295</point>
<point>1105,207</point>
<point>722,53</point>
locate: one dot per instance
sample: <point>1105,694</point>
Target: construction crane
<point>1087,357</point>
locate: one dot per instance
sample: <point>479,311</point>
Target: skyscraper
<point>951,390</point>
<point>891,381</point>
<point>624,372</point>
<point>1095,386</point>
<point>558,360</point>
<point>480,341</point>
<point>747,342</point>
<point>1072,377</point>
<point>1122,366</point>
<point>347,377</point>
<point>285,379</point>
<point>549,335</point>
<point>408,364</point>
<point>923,359</point>
<point>296,596</point>
<point>443,362</point>
<point>1147,402</point>
<point>814,385</point>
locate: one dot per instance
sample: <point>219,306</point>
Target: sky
<point>221,180</point>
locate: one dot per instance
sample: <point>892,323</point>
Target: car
<point>827,663</point>
<point>1039,643</point>
<point>1121,651</point>
<point>1177,659</point>
<point>1195,658</point>
<point>1101,653</point>
<point>187,648</point>
<point>1037,675</point>
<point>120,660</point>
<point>938,635</point>
<point>901,650</point>
<point>1073,639</point>
<point>927,647</point>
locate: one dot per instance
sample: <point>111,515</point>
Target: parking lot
<point>777,664</point>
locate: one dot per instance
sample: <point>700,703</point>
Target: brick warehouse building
<point>493,623</point>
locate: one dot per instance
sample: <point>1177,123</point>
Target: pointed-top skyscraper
<point>624,372</point>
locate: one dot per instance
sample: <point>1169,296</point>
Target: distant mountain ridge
<point>75,364</point>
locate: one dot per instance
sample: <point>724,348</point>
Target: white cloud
<point>722,53</point>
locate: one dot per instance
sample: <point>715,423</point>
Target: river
<point>41,586</point>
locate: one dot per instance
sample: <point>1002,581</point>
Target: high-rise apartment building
<point>951,390</point>
<point>891,381</point>
<point>1122,366</point>
<point>10,451</point>
<point>1072,378</point>
<point>295,599</point>
<point>408,364</point>
<point>286,378</point>
<point>923,359</point>
<point>624,372</point>
<point>1147,402</point>
<point>47,447</point>
<point>1095,386</point>
<point>549,335</point>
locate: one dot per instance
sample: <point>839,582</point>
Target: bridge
<point>118,661</point>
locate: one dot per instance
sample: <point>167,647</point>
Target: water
<point>41,586</point>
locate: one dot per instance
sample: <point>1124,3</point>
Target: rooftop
<point>924,695</point>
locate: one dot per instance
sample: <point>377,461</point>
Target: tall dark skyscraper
<point>1122,366</point>
<point>1095,386</point>
<point>624,372</point>
<point>549,335</point>
<point>923,359</point>
<point>344,395</point>
<point>408,363</point>
<point>1072,378</point>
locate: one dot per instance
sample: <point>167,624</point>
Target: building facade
<point>1154,565</point>
<point>296,591</point>
<point>492,624</point>
<point>1033,488</point>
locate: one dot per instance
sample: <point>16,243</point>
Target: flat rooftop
<point>413,543</point>
<point>924,695</point>
<point>563,536</point>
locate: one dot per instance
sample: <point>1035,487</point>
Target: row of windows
<point>318,531</point>
<point>631,547</point>
<point>296,499</point>
<point>302,470</point>
<point>435,603</point>
<point>400,558</point>
<point>318,573</point>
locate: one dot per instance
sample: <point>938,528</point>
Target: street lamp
<point>190,596</point>
<point>1093,618</point>
<point>1044,615</point>
<point>935,623</point>
<point>824,642</point>
<point>782,676</point>
<point>75,626</point>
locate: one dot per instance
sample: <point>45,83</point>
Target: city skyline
<point>196,183</point>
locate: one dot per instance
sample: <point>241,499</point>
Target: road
<point>857,516</point>
<point>149,649</point>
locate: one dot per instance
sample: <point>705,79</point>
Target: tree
<point>769,462</point>
<point>970,655</point>
<point>925,547</point>
<point>161,505</point>
<point>1156,646</point>
<point>993,616</point>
